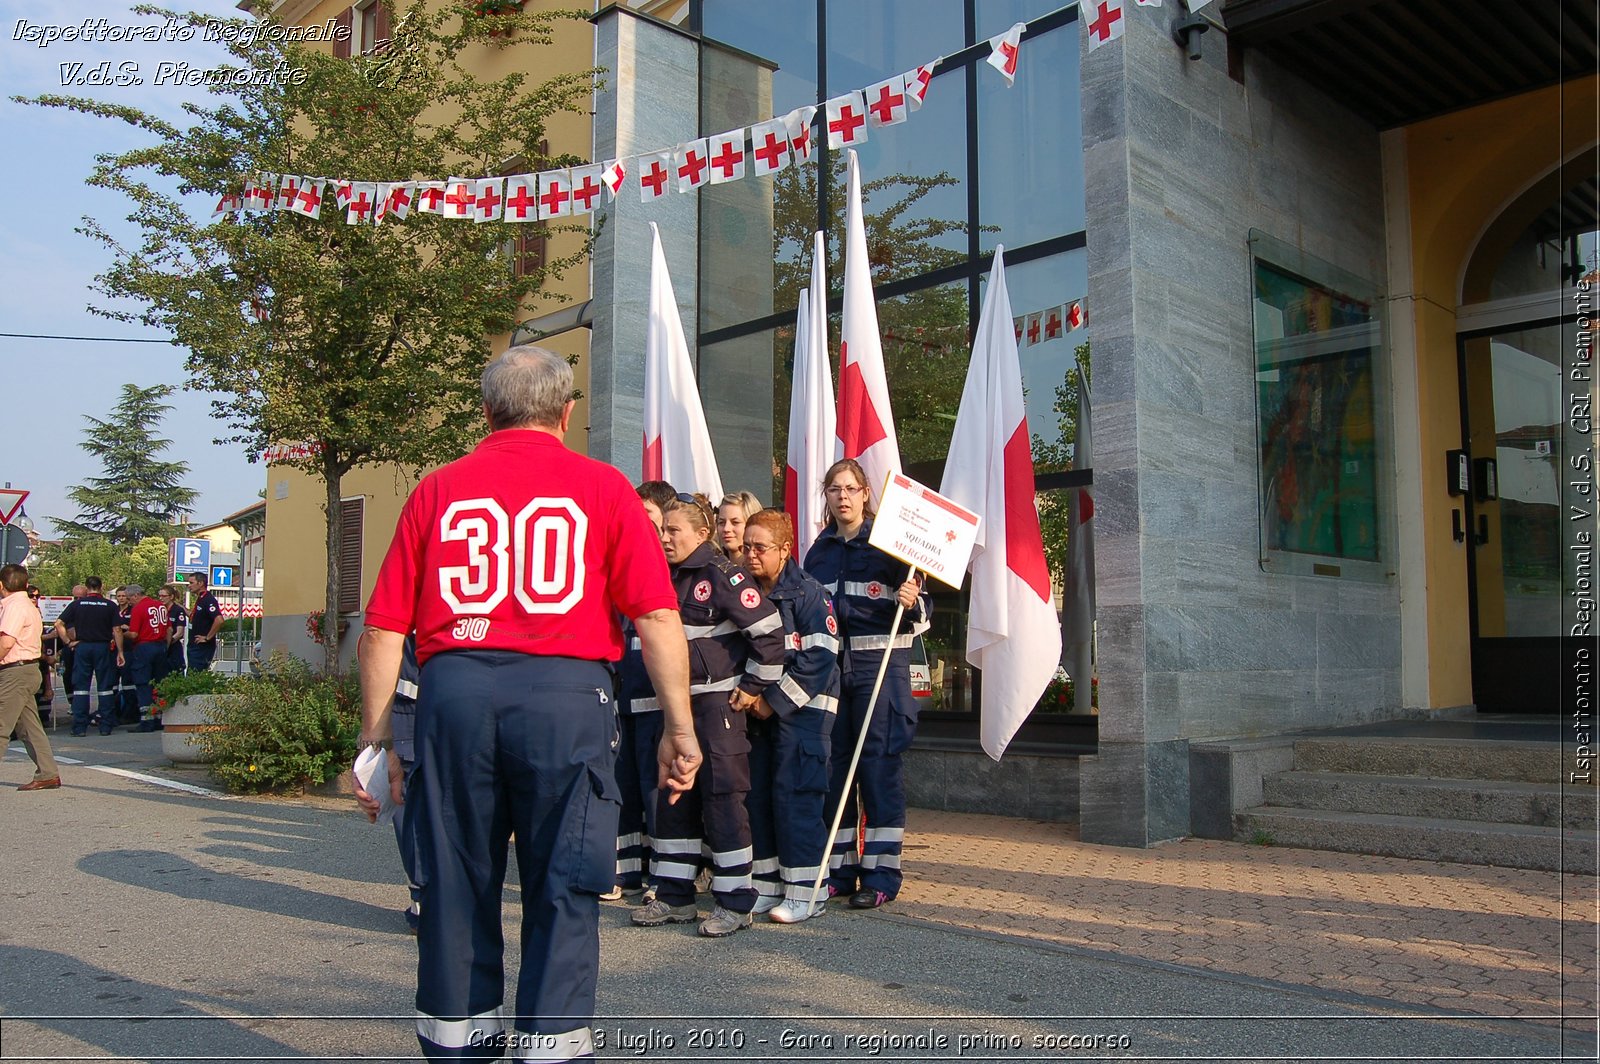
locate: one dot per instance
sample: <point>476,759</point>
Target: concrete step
<point>1547,849</point>
<point>1498,801</point>
<point>1465,759</point>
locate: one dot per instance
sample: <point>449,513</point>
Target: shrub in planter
<point>175,687</point>
<point>285,729</point>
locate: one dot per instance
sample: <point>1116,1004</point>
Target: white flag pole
<point>826,864</point>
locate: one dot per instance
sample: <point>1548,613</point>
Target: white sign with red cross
<point>923,528</point>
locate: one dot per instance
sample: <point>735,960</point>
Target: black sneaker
<point>869,899</point>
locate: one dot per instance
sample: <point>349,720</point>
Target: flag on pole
<point>865,424</point>
<point>811,413</point>
<point>1077,591</point>
<point>1003,51</point>
<point>1013,633</point>
<point>677,444</point>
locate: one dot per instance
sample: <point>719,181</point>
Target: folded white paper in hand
<point>372,773</point>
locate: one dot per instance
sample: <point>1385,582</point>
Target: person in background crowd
<point>790,732</point>
<point>177,625</point>
<point>205,624</point>
<point>866,584</point>
<point>735,652</point>
<point>68,655</point>
<point>733,511</point>
<point>403,720</point>
<point>89,625</point>
<point>49,655</point>
<point>127,711</point>
<point>147,627</point>
<point>21,644</point>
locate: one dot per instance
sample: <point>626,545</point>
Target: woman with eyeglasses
<point>867,586</point>
<point>791,727</point>
<point>733,511</point>
<point>735,652</point>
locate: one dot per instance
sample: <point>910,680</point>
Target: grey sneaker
<point>659,912</point>
<point>793,911</point>
<point>766,903</point>
<point>722,923</point>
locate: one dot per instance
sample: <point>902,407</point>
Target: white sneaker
<point>766,903</point>
<point>614,894</point>
<point>794,912</point>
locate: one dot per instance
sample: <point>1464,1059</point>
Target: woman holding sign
<point>867,587</point>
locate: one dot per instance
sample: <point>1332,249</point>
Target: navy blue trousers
<point>880,780</point>
<point>637,774</point>
<point>788,792</point>
<point>511,744</point>
<point>94,668</point>
<point>710,817</point>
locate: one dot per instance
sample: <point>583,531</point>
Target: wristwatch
<point>381,744</point>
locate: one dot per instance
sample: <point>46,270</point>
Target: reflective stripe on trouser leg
<point>881,775</point>
<point>491,760</point>
<point>843,858</point>
<point>723,782</point>
<point>760,803</point>
<point>800,792</point>
<point>631,856</point>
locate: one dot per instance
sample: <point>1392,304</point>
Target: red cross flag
<point>1075,315</point>
<point>812,429</point>
<point>227,203</point>
<point>460,197</point>
<point>655,173</point>
<point>886,102</point>
<point>1013,633</point>
<point>612,174</point>
<point>1054,318</point>
<point>585,188</point>
<point>677,444</point>
<point>865,424</point>
<point>917,82</point>
<point>396,198</point>
<point>308,201</point>
<point>1102,21</point>
<point>361,202</point>
<point>1032,329</point>
<point>555,194</point>
<point>258,195</point>
<point>288,192</point>
<point>726,155</point>
<point>798,123</point>
<point>522,198</point>
<point>1003,51</point>
<point>1018,322</point>
<point>430,197</point>
<point>846,119</point>
<point>341,192</point>
<point>690,165</point>
<point>769,147</point>
<point>489,197</point>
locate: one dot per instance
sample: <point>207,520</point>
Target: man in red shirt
<point>513,565</point>
<point>147,631</point>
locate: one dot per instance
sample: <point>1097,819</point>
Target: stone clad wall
<point>1196,641</point>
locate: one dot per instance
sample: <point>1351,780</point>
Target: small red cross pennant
<point>798,123</point>
<point>227,204</point>
<point>308,201</point>
<point>655,170</point>
<point>460,196</point>
<point>612,174</point>
<point>1004,49</point>
<point>726,154</point>
<point>260,193</point>
<point>288,192</point>
<point>585,189</point>
<point>341,192</point>
<point>846,120</point>
<point>917,82</point>
<point>769,147</point>
<point>555,194</point>
<point>489,199</point>
<point>430,197</point>
<point>886,102</point>
<point>1032,330</point>
<point>396,199</point>
<point>522,198</point>
<point>690,165</point>
<point>360,202</point>
<point>1103,22</point>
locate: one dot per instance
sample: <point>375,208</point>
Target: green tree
<point>66,563</point>
<point>140,494</point>
<point>361,343</point>
<point>1055,457</point>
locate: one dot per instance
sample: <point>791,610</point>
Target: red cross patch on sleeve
<point>749,598</point>
<point>702,591</point>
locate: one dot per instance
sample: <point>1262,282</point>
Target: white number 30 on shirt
<point>538,555</point>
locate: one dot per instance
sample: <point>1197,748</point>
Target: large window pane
<point>1030,145</point>
<point>789,42</point>
<point>997,16</point>
<point>870,40</point>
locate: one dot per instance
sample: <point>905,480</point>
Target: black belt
<point>19,664</point>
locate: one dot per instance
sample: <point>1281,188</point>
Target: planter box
<point>180,722</point>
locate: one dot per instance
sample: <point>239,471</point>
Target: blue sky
<point>47,269</point>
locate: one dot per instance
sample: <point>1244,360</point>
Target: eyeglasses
<point>848,490</point>
<point>758,549</point>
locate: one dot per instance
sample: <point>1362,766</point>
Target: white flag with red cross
<point>460,197</point>
<point>430,197</point>
<point>488,199</point>
<point>288,192</point>
<point>308,200</point>
<point>612,174</point>
<point>677,444</point>
<point>1032,329</point>
<point>555,194</point>
<point>522,198</point>
<point>655,175</point>
<point>726,156</point>
<point>886,102</point>
<point>341,193</point>
<point>769,147</point>
<point>1075,315</point>
<point>812,430</point>
<point>1013,633</point>
<point>846,120</point>
<point>258,193</point>
<point>1102,21</point>
<point>1055,323</point>
<point>227,203</point>
<point>865,426</point>
<point>1004,50</point>
<point>396,199</point>
<point>586,187</point>
<point>917,82</point>
<point>1018,323</point>
<point>798,123</point>
<point>362,202</point>
<point>690,167</point>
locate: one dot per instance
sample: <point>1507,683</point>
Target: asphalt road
<point>144,923</point>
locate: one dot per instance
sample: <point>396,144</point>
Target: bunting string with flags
<point>1013,632</point>
<point>677,443</point>
<point>1051,323</point>
<point>811,410</point>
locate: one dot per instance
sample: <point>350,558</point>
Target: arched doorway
<point>1526,293</point>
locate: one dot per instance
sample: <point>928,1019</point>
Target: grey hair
<point>135,590</point>
<point>526,387</point>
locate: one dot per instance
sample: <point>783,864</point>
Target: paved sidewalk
<point>1467,938</point>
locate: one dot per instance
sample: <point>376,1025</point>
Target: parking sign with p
<point>191,556</point>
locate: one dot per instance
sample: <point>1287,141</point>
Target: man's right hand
<point>678,760</point>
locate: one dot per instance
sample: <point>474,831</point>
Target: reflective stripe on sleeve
<point>880,642</point>
<point>716,685</point>
<point>406,689</point>
<point>762,671</point>
<point>770,623</point>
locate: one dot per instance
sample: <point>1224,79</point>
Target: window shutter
<point>380,34</point>
<point>345,25</point>
<point>352,515</point>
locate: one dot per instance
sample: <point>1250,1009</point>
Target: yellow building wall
<point>296,581</point>
<point>1463,170</point>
